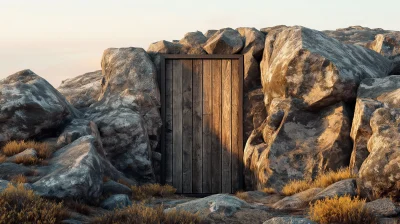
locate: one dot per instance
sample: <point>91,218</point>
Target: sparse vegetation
<point>242,195</point>
<point>19,205</point>
<point>322,181</point>
<point>14,147</point>
<point>269,190</point>
<point>151,190</point>
<point>341,210</point>
<point>141,214</point>
<point>26,160</point>
<point>19,179</point>
<point>78,207</point>
<point>3,158</point>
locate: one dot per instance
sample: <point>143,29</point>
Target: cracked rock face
<point>82,91</point>
<point>29,106</point>
<point>379,174</point>
<point>224,41</point>
<point>306,64</point>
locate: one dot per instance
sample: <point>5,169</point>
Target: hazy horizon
<point>63,39</point>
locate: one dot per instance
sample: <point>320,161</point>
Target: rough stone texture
<point>9,170</point>
<point>294,143</point>
<point>112,187</point>
<point>379,175</point>
<point>252,51</point>
<point>193,42</point>
<point>355,34</point>
<point>128,111</point>
<point>210,33</point>
<point>30,107</point>
<point>217,203</point>
<point>268,30</point>
<point>72,131</point>
<point>341,188</point>
<point>116,202</point>
<point>82,91</point>
<point>254,111</point>
<point>372,94</point>
<point>306,64</point>
<point>225,41</point>
<point>297,201</point>
<point>289,220</point>
<point>76,171</point>
<point>164,47</point>
<point>382,207</point>
<point>27,153</point>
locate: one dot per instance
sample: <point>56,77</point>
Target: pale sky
<point>60,39</point>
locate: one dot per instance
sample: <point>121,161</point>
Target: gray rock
<point>193,41</point>
<point>355,34</point>
<point>72,131</point>
<point>289,220</point>
<point>225,41</point>
<point>82,91</point>
<point>29,106</point>
<point>379,173</point>
<point>9,170</point>
<point>254,111</point>
<point>29,153</point>
<point>210,33</point>
<point>218,203</point>
<point>294,143</point>
<point>307,64</point>
<point>341,188</point>
<point>3,185</point>
<point>268,30</point>
<point>112,187</point>
<point>297,201</point>
<point>128,111</point>
<point>382,207</point>
<point>116,202</point>
<point>389,220</point>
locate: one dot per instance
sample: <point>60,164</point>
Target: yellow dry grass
<point>242,195</point>
<point>151,190</point>
<point>141,214</point>
<point>341,210</point>
<point>3,158</point>
<point>269,190</point>
<point>322,181</point>
<point>19,205</point>
<point>26,160</point>
<point>19,179</point>
<point>14,147</point>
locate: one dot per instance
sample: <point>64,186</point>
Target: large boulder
<point>295,143</point>
<point>372,94</point>
<point>82,91</point>
<point>116,201</point>
<point>254,111</point>
<point>388,45</point>
<point>72,131</point>
<point>382,207</point>
<point>164,47</point>
<point>307,64</point>
<point>30,107</point>
<point>193,42</point>
<point>355,34</point>
<point>127,113</point>
<point>224,41</point>
<point>379,175</point>
<point>297,201</point>
<point>339,189</point>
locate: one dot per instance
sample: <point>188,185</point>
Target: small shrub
<point>141,214</point>
<point>151,190</point>
<point>19,179</point>
<point>341,210</point>
<point>322,181</point>
<point>19,205</point>
<point>26,160</point>
<point>295,186</point>
<point>269,190</point>
<point>14,147</point>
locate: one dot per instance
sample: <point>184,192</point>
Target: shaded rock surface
<point>116,202</point>
<point>193,42</point>
<point>379,175</point>
<point>382,207</point>
<point>72,131</point>
<point>289,220</point>
<point>297,201</point>
<point>341,188</point>
<point>224,41</point>
<point>9,170</point>
<point>82,91</point>
<point>30,107</point>
<point>27,153</point>
<point>112,187</point>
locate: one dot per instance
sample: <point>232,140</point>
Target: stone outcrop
<point>193,41</point>
<point>379,174</point>
<point>82,91</point>
<point>294,143</point>
<point>127,113</point>
<point>372,94</point>
<point>297,201</point>
<point>339,189</point>
<point>224,41</point>
<point>30,107</point>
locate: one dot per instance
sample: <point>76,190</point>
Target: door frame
<point>161,85</point>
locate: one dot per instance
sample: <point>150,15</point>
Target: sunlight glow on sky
<point>60,39</point>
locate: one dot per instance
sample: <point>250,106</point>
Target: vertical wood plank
<point>240,121</point>
<point>197,126</point>
<point>177,125</point>
<point>226,126</point>
<point>168,122</point>
<point>207,126</point>
<point>236,126</point>
<point>216,126</point>
<point>187,127</point>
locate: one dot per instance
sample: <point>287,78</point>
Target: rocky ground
<point>314,102</point>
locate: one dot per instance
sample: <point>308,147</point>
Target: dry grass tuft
<point>141,214</point>
<point>3,158</point>
<point>341,210</point>
<point>19,205</point>
<point>151,190</point>
<point>19,179</point>
<point>322,181</point>
<point>242,195</point>
<point>269,190</point>
<point>26,160</point>
<point>14,147</point>
<point>78,207</point>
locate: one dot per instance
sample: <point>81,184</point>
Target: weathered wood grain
<point>197,126</point>
<point>226,126</point>
<point>177,124</point>
<point>187,126</point>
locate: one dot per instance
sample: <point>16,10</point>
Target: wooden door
<point>202,135</point>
